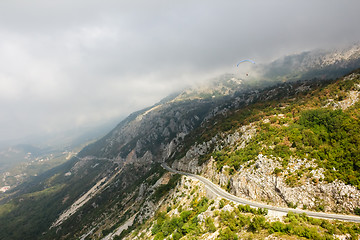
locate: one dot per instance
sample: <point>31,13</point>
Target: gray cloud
<point>65,63</point>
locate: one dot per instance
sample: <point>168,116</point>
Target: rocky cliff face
<point>209,215</point>
<point>260,179</point>
<point>155,131</point>
<point>259,182</point>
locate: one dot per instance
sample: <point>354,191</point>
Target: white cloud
<point>66,63</point>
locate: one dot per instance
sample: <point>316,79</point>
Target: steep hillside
<point>154,132</point>
<point>288,148</point>
<point>300,150</point>
<point>190,211</point>
<point>109,180</point>
<point>266,144</point>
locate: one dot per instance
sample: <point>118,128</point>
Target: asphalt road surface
<point>222,193</point>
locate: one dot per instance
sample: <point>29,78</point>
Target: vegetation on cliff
<point>191,215</point>
<point>319,121</point>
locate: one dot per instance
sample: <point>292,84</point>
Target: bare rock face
<point>188,166</point>
<point>259,183</point>
<point>155,132</point>
<point>351,98</point>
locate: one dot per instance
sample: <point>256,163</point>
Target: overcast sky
<point>65,64</point>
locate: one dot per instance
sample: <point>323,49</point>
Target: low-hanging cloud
<point>65,64</point>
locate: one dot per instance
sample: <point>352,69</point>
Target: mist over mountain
<point>314,64</point>
<point>65,65</point>
<point>269,141</point>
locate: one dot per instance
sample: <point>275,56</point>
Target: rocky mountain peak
<point>313,64</point>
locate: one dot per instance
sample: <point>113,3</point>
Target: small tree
<point>357,211</point>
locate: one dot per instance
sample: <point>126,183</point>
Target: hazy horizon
<point>66,65</point>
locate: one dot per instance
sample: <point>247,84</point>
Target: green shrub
<point>277,227</point>
<point>221,203</point>
<point>159,236</point>
<point>292,205</point>
<point>262,211</point>
<point>357,211</point>
<point>227,234</point>
<point>177,235</point>
<point>228,219</point>
<point>257,223</point>
<point>277,171</point>
<point>320,208</point>
<point>209,223</point>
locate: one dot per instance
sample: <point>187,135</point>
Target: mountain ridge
<point>127,160</point>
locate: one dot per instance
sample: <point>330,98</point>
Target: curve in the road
<point>222,193</point>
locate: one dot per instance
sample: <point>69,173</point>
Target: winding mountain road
<point>222,193</point>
